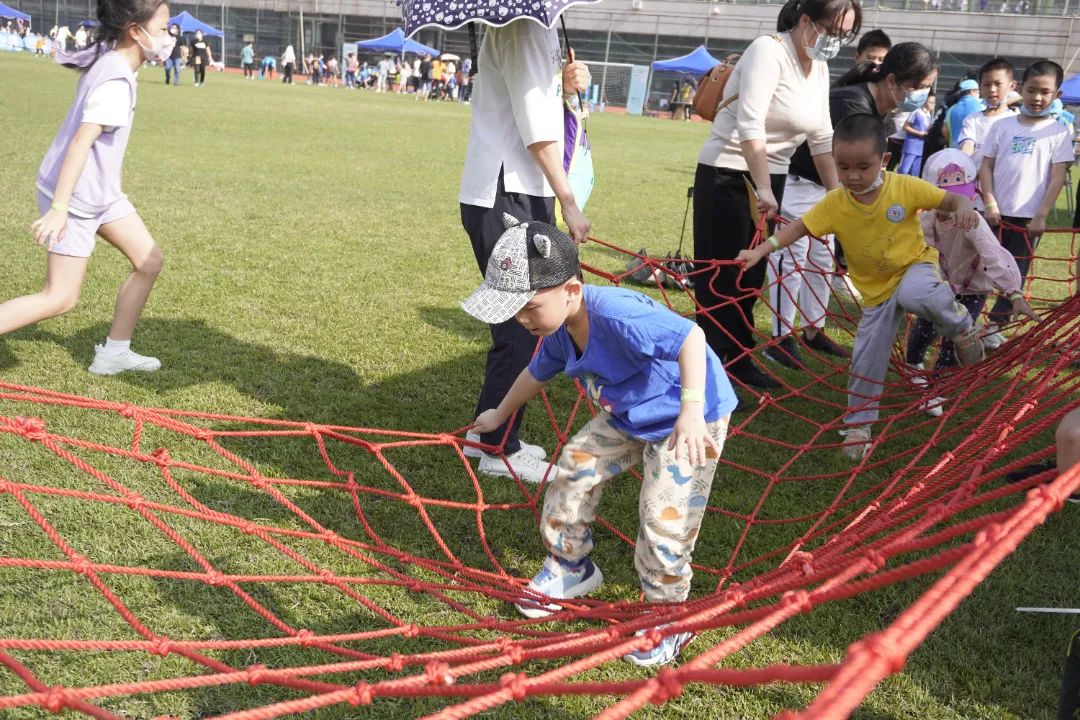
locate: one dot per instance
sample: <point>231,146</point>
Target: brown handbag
<point>708,100</point>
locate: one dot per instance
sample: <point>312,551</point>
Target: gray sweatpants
<point>922,293</point>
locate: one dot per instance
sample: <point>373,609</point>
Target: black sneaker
<point>747,374</point>
<point>825,344</point>
<point>1032,470</point>
<point>785,352</point>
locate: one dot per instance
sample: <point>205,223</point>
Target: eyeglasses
<point>843,38</point>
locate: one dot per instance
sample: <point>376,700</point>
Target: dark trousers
<point>923,334</point>
<point>200,72</point>
<point>1017,243</point>
<point>896,151</point>
<point>286,73</point>
<point>512,345</point>
<point>723,225</point>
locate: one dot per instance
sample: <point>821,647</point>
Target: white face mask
<point>161,47</point>
<point>825,48</point>
<point>872,186</point>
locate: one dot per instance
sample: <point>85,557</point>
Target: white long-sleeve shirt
<point>777,104</point>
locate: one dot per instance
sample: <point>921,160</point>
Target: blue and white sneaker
<point>665,651</point>
<point>560,580</point>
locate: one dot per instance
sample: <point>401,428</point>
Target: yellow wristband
<point>990,204</point>
<point>774,242</point>
<point>59,206</point>
<point>692,396</point>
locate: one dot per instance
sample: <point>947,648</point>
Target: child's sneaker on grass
<point>114,363</point>
<point>856,442</point>
<point>529,468</point>
<point>969,347</point>
<point>475,452</point>
<point>663,653</point>
<point>931,406</point>
<point>561,580</point>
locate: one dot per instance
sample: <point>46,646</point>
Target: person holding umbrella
<point>514,166</point>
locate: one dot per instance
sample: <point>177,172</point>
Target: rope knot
<point>396,662</point>
<point>80,564</point>
<point>311,428</point>
<point>326,574</point>
<point>248,528</point>
<point>128,410</point>
<point>259,481</point>
<point>411,631</point>
<point>879,645</point>
<point>799,600</point>
<point>361,694</point>
<point>668,686</point>
<point>806,562</point>
<point>515,683</point>
<point>306,637</point>
<point>161,647</point>
<point>255,674</point>
<point>204,434</point>
<point>876,560</point>
<point>1042,493</point>
<point>31,428</point>
<point>514,653</point>
<point>413,499</point>
<point>136,501</point>
<point>3,486</point>
<point>56,699</point>
<point>438,673</point>
<point>161,457</point>
<point>214,578</point>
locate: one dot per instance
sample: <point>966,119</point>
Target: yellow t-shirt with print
<point>883,239</point>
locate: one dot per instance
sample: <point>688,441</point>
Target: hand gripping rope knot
<point>668,686</point>
<point>438,673</point>
<point>31,428</point>
<point>515,683</point>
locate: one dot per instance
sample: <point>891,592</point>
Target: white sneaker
<point>856,442</point>
<point>472,452</point>
<point>843,287</point>
<point>992,338</point>
<point>931,406</point>
<point>108,364</point>
<point>528,467</point>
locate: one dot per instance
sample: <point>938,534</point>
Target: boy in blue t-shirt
<point>663,397</point>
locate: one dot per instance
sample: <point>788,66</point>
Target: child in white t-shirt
<point>1025,157</point>
<point>996,81</point>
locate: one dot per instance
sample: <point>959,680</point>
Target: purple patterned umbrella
<point>451,14</point>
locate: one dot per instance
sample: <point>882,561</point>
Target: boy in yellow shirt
<point>874,216</point>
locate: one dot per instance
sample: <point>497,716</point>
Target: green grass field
<point>315,261</point>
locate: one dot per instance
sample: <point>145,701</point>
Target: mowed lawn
<point>315,261</point>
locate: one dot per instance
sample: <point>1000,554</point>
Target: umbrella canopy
<point>1070,90</point>
<point>450,56</point>
<point>698,62</point>
<point>190,23</point>
<point>90,23</point>
<point>451,14</point>
<point>396,42</point>
<point>10,13</point>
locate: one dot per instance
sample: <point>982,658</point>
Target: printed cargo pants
<point>671,503</point>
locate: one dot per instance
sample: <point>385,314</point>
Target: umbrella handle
<point>566,40</point>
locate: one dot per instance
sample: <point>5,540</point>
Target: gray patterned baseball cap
<point>529,256</point>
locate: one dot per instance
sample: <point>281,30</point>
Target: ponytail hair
<point>908,62</point>
<point>824,12</point>
<point>114,17</point>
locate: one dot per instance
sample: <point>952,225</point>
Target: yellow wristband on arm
<point>774,242</point>
<point>59,206</point>
<point>692,396</point>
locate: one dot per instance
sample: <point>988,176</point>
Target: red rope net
<point>927,501</point>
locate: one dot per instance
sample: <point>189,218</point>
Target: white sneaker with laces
<point>472,452</point>
<point>843,287</point>
<point>528,467</point>
<point>560,580</point>
<point>856,442</point>
<point>114,364</point>
<point>992,337</point>
<point>931,406</point>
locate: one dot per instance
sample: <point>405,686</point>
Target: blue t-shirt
<point>913,144</point>
<point>964,107</point>
<point>630,366</point>
<point>247,54</point>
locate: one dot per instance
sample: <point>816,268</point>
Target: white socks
<point>115,348</point>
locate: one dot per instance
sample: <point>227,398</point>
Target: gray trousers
<point>922,293</point>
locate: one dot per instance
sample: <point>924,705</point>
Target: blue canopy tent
<point>189,23</point>
<point>696,63</point>
<point>1070,90</point>
<point>397,43</point>
<point>10,13</point>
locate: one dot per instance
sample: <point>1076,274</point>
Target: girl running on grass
<point>78,183</point>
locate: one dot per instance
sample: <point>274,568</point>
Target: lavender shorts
<point>81,235</point>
